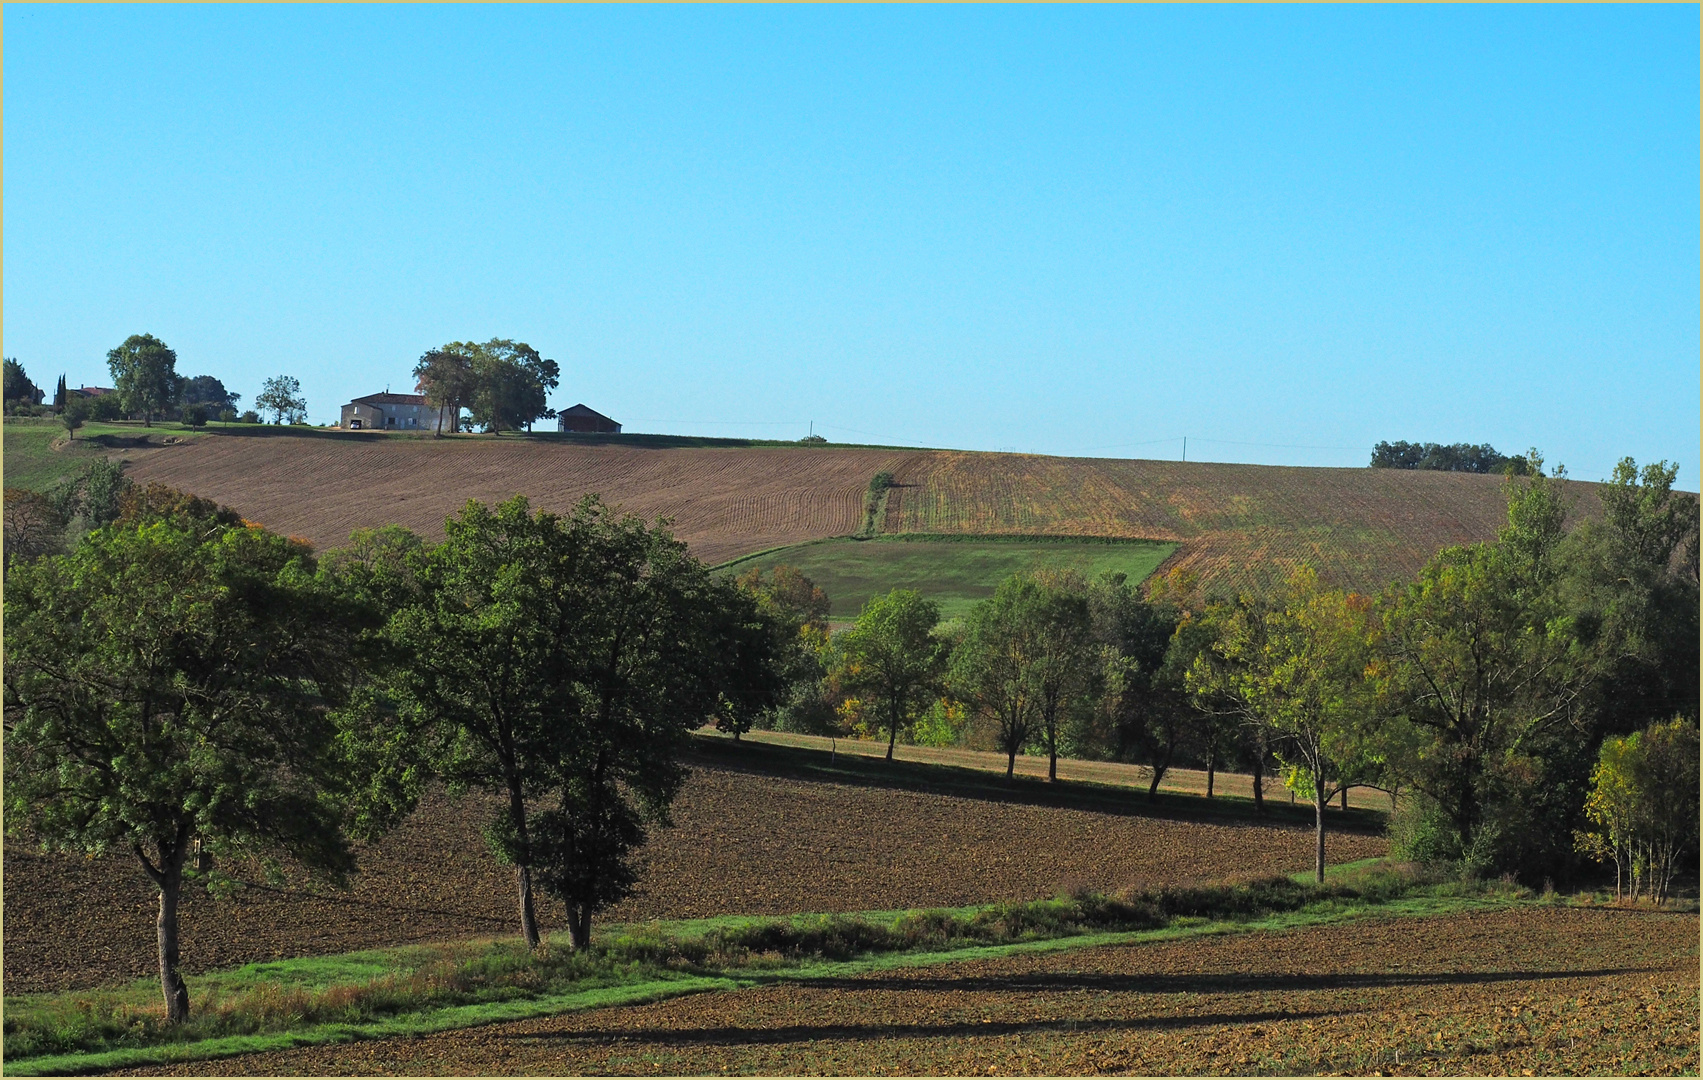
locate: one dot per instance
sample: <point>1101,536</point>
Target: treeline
<point>1496,692</point>
<point>1450,457</point>
<point>191,688</point>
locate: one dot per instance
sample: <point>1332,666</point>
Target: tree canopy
<point>169,687</point>
<point>281,395</point>
<point>144,371</point>
<point>1451,457</point>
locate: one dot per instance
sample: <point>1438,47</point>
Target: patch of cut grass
<point>955,572</point>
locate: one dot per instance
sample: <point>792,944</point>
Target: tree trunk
<point>170,882</point>
<point>1319,831</point>
<point>1011,765</point>
<point>523,865</point>
<point>892,734</point>
<point>1211,772</point>
<point>1259,786</point>
<point>579,926</point>
<point>1153,788</point>
<point>1052,755</point>
<point>1345,798</point>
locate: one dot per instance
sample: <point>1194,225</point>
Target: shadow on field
<point>802,763</point>
<point>1066,982</point>
<point>732,1035</point>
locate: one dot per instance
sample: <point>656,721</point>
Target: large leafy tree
<point>1485,655</point>
<point>892,658</point>
<point>560,662</point>
<point>794,611</point>
<point>281,395</point>
<point>209,391</point>
<point>169,687</point>
<point>447,379</point>
<point>991,667</point>
<point>511,382</point>
<point>1301,669</point>
<point>144,371</point>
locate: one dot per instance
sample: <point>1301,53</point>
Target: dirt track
<point>744,842</point>
<point>1545,991</point>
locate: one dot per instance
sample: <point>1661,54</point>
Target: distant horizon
<point>1284,234</point>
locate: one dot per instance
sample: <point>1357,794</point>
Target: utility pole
<point>1185,447</point>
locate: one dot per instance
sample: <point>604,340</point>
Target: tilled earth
<point>1536,990</point>
<point>743,842</point>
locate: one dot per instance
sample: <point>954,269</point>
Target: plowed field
<point>725,501</point>
<point>1239,526</point>
<point>745,842</point>
<point>1534,990</point>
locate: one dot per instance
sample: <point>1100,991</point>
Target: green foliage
<point>195,416</point>
<point>281,395</point>
<point>1454,457</point>
<point>35,526</point>
<point>1643,805</point>
<point>106,407</point>
<point>18,389</point>
<point>74,414</point>
<point>795,611</point>
<point>144,371</point>
<point>208,391</point>
<point>892,658</point>
<point>166,690</point>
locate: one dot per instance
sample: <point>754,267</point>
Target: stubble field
<point>1545,991</point>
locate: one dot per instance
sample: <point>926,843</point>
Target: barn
<point>586,419</point>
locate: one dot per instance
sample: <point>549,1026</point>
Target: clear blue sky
<point>1283,233</point>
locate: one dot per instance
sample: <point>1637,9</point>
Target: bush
<point>249,416</point>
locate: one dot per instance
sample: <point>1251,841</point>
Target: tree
<point>1067,664</point>
<point>1301,669</point>
<point>59,394</point>
<point>990,669</point>
<point>796,613</point>
<point>891,655</point>
<point>510,384</point>
<point>73,414</point>
<point>281,395</point>
<point>1643,804</point>
<point>208,391</point>
<point>1485,657</point>
<point>144,370</point>
<point>34,525</point>
<point>562,661</point>
<point>168,688</point>
<point>446,377</point>
<point>195,416</point>
<point>18,389</point>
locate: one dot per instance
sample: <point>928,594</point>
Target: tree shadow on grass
<point>808,764</point>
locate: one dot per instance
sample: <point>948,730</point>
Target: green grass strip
<point>1433,901</point>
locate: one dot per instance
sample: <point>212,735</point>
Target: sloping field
<point>725,501</point>
<point>1239,526</point>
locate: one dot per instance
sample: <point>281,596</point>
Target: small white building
<point>396,412</point>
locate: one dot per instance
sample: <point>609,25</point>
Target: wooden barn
<point>584,418</point>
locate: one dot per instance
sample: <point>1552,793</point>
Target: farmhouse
<point>393,412</point>
<point>584,418</point>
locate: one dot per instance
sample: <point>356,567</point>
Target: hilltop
<point>1238,525</point>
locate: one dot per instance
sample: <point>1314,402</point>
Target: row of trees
<point>190,688</point>
<point>1483,688</point>
<point>502,383</point>
<point>1448,457</point>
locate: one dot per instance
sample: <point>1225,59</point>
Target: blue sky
<point>1283,233</point>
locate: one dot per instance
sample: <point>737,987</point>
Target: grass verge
<point>421,989</point>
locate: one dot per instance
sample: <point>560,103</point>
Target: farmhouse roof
<point>95,391</point>
<point>584,410</point>
<point>390,399</point>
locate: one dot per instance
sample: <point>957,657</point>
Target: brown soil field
<point>749,838</point>
<point>1545,991</point>
<point>725,501</point>
<point>1240,526</point>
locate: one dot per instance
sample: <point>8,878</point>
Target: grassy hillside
<point>955,572</point>
<point>1240,526</point>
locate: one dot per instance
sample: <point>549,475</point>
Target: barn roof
<point>584,410</point>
